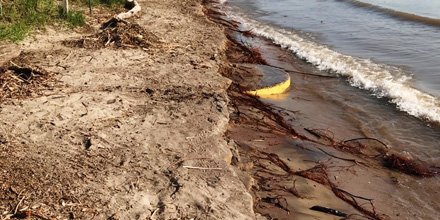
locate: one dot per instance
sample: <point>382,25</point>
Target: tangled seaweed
<point>399,162</point>
<point>408,165</point>
<point>117,34</point>
<point>268,180</point>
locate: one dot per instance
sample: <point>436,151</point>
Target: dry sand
<point>123,133</point>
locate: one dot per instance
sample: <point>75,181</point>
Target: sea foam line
<point>383,80</point>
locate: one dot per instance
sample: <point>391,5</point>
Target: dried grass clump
<point>19,80</point>
<point>117,34</point>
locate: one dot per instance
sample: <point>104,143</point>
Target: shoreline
<point>314,163</point>
<point>157,133</point>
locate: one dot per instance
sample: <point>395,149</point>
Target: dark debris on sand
<point>19,79</point>
<point>117,34</point>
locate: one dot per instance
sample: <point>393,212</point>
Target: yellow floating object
<point>278,88</point>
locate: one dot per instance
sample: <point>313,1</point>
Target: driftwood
<point>134,9</point>
<point>65,7</point>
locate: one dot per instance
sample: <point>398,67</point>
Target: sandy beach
<point>155,124</point>
<point>122,133</point>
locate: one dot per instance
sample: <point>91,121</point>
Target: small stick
<point>202,168</point>
<point>18,205</point>
<point>341,158</point>
<point>90,7</point>
<point>16,65</point>
<point>352,195</point>
<point>313,133</point>
<point>154,213</point>
<point>18,78</point>
<point>366,138</point>
<point>108,40</point>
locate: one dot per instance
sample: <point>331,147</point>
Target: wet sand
<point>274,158</point>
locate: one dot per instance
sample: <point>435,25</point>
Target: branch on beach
<point>341,158</point>
<point>366,138</point>
<point>134,9</point>
<point>271,171</point>
<point>319,175</point>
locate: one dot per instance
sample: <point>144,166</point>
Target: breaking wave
<point>382,80</point>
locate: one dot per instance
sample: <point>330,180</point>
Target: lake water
<point>386,54</point>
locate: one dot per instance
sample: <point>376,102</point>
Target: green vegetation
<point>14,32</point>
<point>108,3</point>
<point>18,17</point>
<point>75,18</point>
<point>111,3</point>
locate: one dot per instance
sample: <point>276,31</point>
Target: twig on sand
<point>154,214</point>
<point>202,168</point>
<point>14,64</point>
<point>341,158</point>
<point>180,162</point>
<point>366,138</point>
<point>108,40</point>
<point>18,205</point>
<point>352,195</point>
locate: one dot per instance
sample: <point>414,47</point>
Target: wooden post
<point>1,9</point>
<point>90,6</point>
<point>65,7</point>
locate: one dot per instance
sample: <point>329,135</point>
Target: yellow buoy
<point>272,90</point>
<point>273,81</point>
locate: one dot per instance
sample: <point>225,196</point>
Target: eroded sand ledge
<point>117,135</point>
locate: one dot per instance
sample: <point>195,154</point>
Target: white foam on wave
<point>383,80</point>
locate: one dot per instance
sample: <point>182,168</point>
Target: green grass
<point>13,32</point>
<point>19,17</point>
<point>75,18</point>
<point>108,3</point>
<point>111,3</point>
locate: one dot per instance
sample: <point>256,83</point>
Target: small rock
<point>214,56</point>
<point>139,37</point>
<point>2,140</point>
<point>87,142</point>
<point>149,91</point>
<point>206,65</point>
